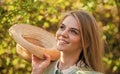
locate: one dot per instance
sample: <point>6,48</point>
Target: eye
<point>74,32</point>
<point>62,27</point>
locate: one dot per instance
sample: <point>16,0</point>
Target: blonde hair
<point>91,39</point>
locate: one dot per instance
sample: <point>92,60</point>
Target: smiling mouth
<point>63,41</point>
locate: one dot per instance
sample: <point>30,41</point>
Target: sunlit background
<point>47,14</point>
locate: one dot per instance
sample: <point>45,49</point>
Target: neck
<point>68,60</point>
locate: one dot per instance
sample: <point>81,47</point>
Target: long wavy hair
<point>91,39</point>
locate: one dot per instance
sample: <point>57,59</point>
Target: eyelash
<point>61,27</point>
<point>74,32</point>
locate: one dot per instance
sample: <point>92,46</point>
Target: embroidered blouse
<point>75,69</point>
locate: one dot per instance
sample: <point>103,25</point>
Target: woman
<point>80,46</point>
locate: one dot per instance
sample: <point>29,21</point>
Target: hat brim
<point>33,40</point>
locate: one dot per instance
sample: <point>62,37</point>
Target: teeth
<point>62,42</point>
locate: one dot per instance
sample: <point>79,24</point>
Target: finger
<point>46,61</point>
<point>47,57</point>
<point>35,60</point>
<point>35,57</point>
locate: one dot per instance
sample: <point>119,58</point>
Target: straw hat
<point>33,40</point>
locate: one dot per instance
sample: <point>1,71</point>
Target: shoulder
<point>82,68</point>
<point>88,72</point>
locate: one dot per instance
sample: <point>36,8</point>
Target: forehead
<point>70,21</point>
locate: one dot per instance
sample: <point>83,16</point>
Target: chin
<point>59,48</point>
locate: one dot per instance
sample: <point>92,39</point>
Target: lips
<point>62,41</point>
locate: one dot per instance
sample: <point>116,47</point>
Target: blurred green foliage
<point>46,14</point>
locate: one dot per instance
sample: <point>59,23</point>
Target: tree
<point>46,14</point>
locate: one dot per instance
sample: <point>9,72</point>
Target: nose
<point>64,33</point>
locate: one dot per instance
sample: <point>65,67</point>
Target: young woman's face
<point>68,35</point>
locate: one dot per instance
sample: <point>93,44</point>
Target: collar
<point>69,70</point>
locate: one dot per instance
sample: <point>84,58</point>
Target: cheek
<point>75,40</point>
<point>57,34</point>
